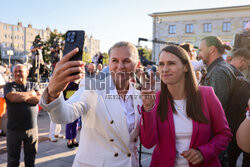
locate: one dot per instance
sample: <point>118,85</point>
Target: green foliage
<point>86,57</point>
<point>105,58</point>
<point>147,53</point>
<point>49,43</point>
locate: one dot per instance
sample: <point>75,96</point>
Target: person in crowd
<point>197,65</point>
<point>22,118</point>
<point>55,131</point>
<point>219,74</point>
<point>243,133</point>
<point>54,56</point>
<point>190,50</point>
<point>7,75</point>
<point>91,70</point>
<point>185,123</point>
<point>37,56</point>
<point>2,104</point>
<point>95,59</point>
<point>71,128</point>
<point>235,110</point>
<point>240,61</point>
<point>100,58</point>
<point>110,116</point>
<point>99,68</point>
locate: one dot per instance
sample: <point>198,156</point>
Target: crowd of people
<point>186,108</point>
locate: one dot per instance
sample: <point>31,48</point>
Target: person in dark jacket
<point>219,74</point>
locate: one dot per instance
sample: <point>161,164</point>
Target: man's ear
<point>211,49</point>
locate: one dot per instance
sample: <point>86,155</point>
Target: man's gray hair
<point>22,65</point>
<point>129,45</point>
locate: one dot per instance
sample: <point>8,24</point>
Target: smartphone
<point>74,39</point>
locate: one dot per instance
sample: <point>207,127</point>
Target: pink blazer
<point>210,139</point>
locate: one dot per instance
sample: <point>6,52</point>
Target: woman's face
<point>171,69</point>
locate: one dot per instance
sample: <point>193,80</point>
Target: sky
<point>109,21</point>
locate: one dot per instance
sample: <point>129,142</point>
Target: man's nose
<point>120,65</point>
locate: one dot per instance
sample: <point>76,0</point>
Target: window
<point>4,27</point>
<point>5,36</point>
<point>172,29</point>
<point>226,27</point>
<point>17,37</point>
<point>207,27</point>
<point>10,27</point>
<point>244,24</point>
<point>189,28</point>
<point>16,28</point>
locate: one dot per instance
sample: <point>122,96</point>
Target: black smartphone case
<point>74,39</point>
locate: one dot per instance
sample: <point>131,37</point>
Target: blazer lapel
<point>195,132</point>
<point>115,113</point>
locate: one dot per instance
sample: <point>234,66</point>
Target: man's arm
<point>31,97</point>
<point>221,85</point>
<point>34,99</point>
<point>33,49</point>
<point>62,76</point>
<point>243,135</point>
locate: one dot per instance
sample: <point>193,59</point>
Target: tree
<point>86,57</point>
<point>105,58</point>
<point>49,43</point>
<point>147,53</point>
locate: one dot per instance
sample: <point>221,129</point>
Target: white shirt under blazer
<point>105,140</point>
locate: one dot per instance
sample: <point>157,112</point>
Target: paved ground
<point>52,154</point>
<point>57,154</point>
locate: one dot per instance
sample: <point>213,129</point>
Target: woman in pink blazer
<point>185,123</point>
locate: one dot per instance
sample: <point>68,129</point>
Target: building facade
<point>19,39</point>
<point>92,46</point>
<point>190,26</point>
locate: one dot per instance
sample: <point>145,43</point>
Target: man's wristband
<point>49,94</point>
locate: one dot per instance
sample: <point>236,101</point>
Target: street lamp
<point>10,53</point>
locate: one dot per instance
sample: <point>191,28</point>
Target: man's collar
<point>130,90</point>
<point>214,63</point>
